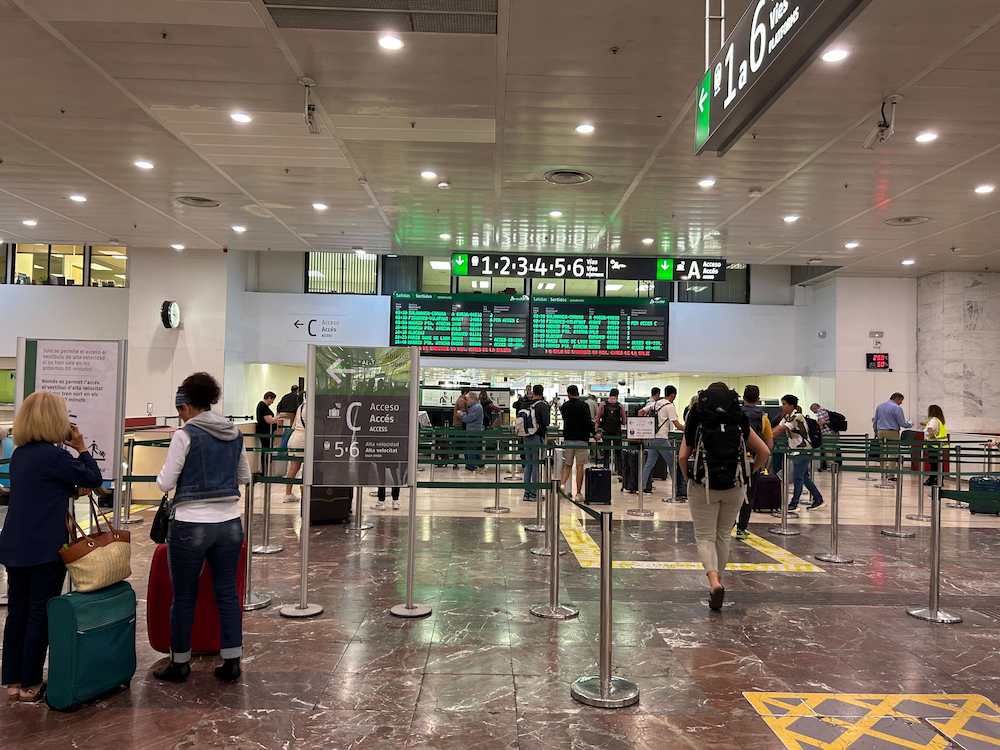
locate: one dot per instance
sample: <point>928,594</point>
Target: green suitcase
<point>91,644</point>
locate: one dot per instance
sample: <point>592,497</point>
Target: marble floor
<point>481,672</point>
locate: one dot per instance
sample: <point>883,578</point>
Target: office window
<point>472,285</point>
<point>66,265</point>
<point>435,275</point>
<point>548,287</point>
<point>736,288</point>
<point>694,291</point>
<point>342,273</point>
<point>31,264</point>
<point>108,266</point>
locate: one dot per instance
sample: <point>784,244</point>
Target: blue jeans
<point>189,545</point>
<point>532,470</point>
<point>802,475</point>
<point>662,447</point>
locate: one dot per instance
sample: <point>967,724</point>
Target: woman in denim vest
<point>205,466</point>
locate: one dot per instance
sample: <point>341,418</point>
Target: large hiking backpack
<point>525,424</point>
<point>815,433</point>
<point>721,451</point>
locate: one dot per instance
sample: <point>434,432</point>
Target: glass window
<point>467,285</point>
<point>581,287</point>
<point>623,288</point>
<point>548,287</point>
<point>435,275</point>
<point>342,273</point>
<point>66,265</point>
<point>736,288</point>
<point>108,266</point>
<point>31,264</point>
<point>694,291</point>
<point>508,286</point>
<point>3,263</point>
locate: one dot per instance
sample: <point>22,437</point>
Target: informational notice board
<point>90,375</point>
<point>361,411</point>
<point>640,428</point>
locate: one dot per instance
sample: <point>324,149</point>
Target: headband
<point>181,398</point>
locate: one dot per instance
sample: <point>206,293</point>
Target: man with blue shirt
<point>889,421</point>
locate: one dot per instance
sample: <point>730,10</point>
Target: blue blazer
<point>42,478</point>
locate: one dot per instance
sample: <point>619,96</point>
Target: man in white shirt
<point>665,415</point>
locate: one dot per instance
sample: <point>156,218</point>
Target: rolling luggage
<point>986,495</point>
<point>597,486</point>
<point>630,470</point>
<point>984,484</point>
<point>765,493</point>
<point>330,505</point>
<point>205,632</point>
<point>91,644</point>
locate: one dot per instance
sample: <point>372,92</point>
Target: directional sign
<point>315,329</point>
<point>668,269</point>
<point>649,268</point>
<point>770,46</point>
<point>460,264</point>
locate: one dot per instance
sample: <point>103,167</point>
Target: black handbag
<point>161,522</point>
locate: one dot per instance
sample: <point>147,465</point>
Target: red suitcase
<point>159,595</point>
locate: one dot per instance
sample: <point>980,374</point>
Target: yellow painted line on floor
<point>588,554</point>
<point>85,524</point>
<point>782,712</point>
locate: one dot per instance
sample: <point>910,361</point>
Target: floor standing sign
<point>90,375</point>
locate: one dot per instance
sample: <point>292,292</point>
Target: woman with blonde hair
<point>43,478</point>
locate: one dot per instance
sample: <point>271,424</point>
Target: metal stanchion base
<point>536,528</point>
<point>620,692</point>
<point>917,517</point>
<point>925,613</point>
<point>867,479</point>
<point>547,612</point>
<point>362,527</point>
<point>784,532</point>
<point>417,610</point>
<point>884,486</point>
<point>956,506</point>
<point>829,557</point>
<point>899,534</point>
<point>544,551</point>
<point>296,610</point>
<point>256,600</point>
<point>132,519</point>
<point>640,512</point>
<point>270,549</point>
<point>495,509</point>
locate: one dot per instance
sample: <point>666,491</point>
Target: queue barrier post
<point>554,610</point>
<point>897,531</point>
<point>303,608</point>
<point>127,517</point>
<point>555,472</point>
<point>958,477</point>
<point>496,508</point>
<point>834,556</point>
<point>868,461</point>
<point>784,529</point>
<point>542,474</point>
<point>932,612</point>
<point>266,548</point>
<point>251,599</point>
<point>920,515</point>
<point>357,524</point>
<point>605,690</point>
<point>639,511</point>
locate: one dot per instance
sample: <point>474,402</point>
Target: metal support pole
<point>868,461</point>
<point>251,599</point>
<point>553,505</point>
<point>604,690</point>
<point>496,508</point>
<point>303,608</point>
<point>958,476</point>
<point>266,548</point>
<point>897,530</point>
<point>541,475</point>
<point>641,512</point>
<point>920,515</point>
<point>127,508</point>
<point>784,529</point>
<point>553,610</point>
<point>673,476</point>
<point>932,612</point>
<point>989,460</point>
<point>834,556</point>
<point>357,525</point>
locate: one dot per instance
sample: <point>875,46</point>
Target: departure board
<point>567,328</point>
<point>443,324</point>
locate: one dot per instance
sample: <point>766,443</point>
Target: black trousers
<point>381,494</point>
<point>26,632</point>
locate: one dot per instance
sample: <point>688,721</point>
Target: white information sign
<point>640,428</point>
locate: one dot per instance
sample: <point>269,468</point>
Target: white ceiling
<point>88,86</point>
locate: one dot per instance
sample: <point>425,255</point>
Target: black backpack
<point>611,419</point>
<point>838,422</point>
<point>721,450</point>
<point>815,433</point>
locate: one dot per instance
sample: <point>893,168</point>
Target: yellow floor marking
<point>588,554</point>
<point>85,525</point>
<point>955,711</point>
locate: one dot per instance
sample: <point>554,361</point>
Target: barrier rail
<point>554,610</point>
<point>251,599</point>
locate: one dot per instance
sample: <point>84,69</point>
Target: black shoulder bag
<point>161,522</point>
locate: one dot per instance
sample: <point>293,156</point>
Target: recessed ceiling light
<point>791,218</point>
<point>835,55</point>
<point>814,261</point>
<point>706,183</point>
<point>585,128</point>
<point>555,214</point>
<point>928,136</point>
<point>648,240</point>
<point>429,174</point>
<point>441,265</point>
<point>78,198</point>
<point>30,222</point>
<point>240,117</point>
<point>444,185</point>
<point>391,255</point>
<point>985,189</point>
<point>444,236</point>
<point>390,42</point>
<point>178,247</point>
<point>143,163</point>
<point>239,229</point>
<point>852,244</point>
<point>908,262</point>
<point>320,206</point>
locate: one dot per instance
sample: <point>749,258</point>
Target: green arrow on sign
<point>665,269</point>
<point>459,264</point>
<point>703,118</point>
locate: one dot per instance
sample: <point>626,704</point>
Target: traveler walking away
<point>472,417</point>
<point>793,425</point>
<point>296,442</point>
<point>578,429</point>
<point>43,478</point>
<point>456,421</point>
<point>718,437</point>
<point>611,420</point>
<point>205,467</point>
<point>531,423</point>
<point>889,422</point>
<point>287,407</point>
<point>936,433</point>
<point>761,424</point>
<point>666,421</point>
<point>265,419</point>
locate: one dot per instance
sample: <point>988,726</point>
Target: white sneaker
<point>395,504</point>
<point>291,498</point>
<point>379,505</point>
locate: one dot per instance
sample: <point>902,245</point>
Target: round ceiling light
<point>648,241</point>
<point>567,177</point>
<point>390,42</point>
<point>908,262</point>
<point>814,261</point>
<point>178,247</point>
<point>320,206</point>
<point>444,185</point>
<point>78,198</point>
<point>928,136</point>
<point>585,128</point>
<point>791,218</point>
<point>706,183</point>
<point>30,222</point>
<point>444,236</point>
<point>429,174</point>
<point>985,189</point>
<point>241,117</point>
<point>239,228</point>
<point>555,214</point>
<point>835,55</point>
<point>144,164</point>
<point>852,244</point>
<point>197,201</point>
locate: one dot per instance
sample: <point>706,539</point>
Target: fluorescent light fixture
<point>120,276</point>
<point>390,42</point>
<point>852,244</point>
<point>791,218</point>
<point>320,206</point>
<point>391,255</point>
<point>441,265</point>
<point>178,247</point>
<point>585,128</point>
<point>444,236</point>
<point>98,267</point>
<point>836,55</point>
<point>239,228</point>
<point>30,222</point>
<point>444,185</point>
<point>313,274</point>
<point>144,164</point>
<point>550,285</point>
<point>613,287</point>
<point>699,288</point>
<point>429,174</point>
<point>78,198</point>
<point>648,241</point>
<point>928,136</point>
<point>555,214</point>
<point>985,189</point>
<point>706,183</point>
<point>815,261</point>
<point>241,117</point>
<point>908,262</point>
<point>40,268</point>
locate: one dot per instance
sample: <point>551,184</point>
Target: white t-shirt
<point>665,413</point>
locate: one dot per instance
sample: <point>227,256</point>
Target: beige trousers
<point>714,517</point>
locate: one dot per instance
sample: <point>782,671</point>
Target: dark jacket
<point>289,403</point>
<point>578,424</point>
<point>42,478</point>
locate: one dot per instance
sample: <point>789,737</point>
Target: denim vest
<point>210,468</point>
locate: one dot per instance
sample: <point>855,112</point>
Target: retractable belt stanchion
<point>868,461</point>
<point>784,529</point>
<point>542,474</point>
<point>834,556</point>
<point>127,517</point>
<point>673,474</point>
<point>884,483</point>
<point>496,508</point>
<point>555,473</point>
<point>554,610</point>
<point>932,612</point>
<point>605,690</point>
<point>640,511</point>
<point>266,548</point>
<point>958,477</point>
<point>920,515</point>
<point>303,608</point>
<point>251,599</point>
<point>897,530</point>
<point>357,524</point>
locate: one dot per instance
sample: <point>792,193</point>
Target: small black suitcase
<point>630,470</point>
<point>597,486</point>
<point>765,493</point>
<point>330,505</point>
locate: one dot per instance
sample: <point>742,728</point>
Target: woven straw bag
<point>98,560</point>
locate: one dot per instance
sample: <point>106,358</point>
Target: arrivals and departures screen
<point>565,328</point>
<point>460,323</point>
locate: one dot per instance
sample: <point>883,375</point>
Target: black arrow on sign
<point>298,323</point>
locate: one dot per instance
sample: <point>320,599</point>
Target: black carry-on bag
<point>597,486</point>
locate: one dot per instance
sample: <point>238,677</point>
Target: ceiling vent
<point>196,201</point>
<point>409,16</point>
<point>567,177</point>
<point>906,221</point>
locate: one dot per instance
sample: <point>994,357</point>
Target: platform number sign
<point>771,44</point>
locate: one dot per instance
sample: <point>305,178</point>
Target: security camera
<point>885,129</point>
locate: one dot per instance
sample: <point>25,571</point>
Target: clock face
<point>170,314</point>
